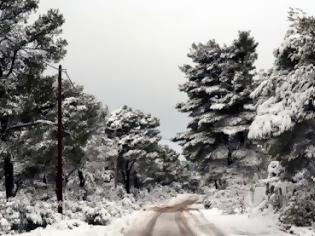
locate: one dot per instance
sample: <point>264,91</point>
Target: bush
<point>300,208</point>
<point>23,214</point>
<point>29,210</point>
<point>97,216</point>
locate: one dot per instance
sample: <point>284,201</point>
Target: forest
<point>249,143</point>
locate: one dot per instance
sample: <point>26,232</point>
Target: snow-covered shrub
<point>5,225</point>
<point>157,193</point>
<point>207,203</point>
<point>25,214</point>
<point>120,192</point>
<point>231,199</point>
<point>67,224</point>
<point>31,209</point>
<point>275,187</point>
<point>300,208</point>
<point>98,216</point>
<point>274,169</point>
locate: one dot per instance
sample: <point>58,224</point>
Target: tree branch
<point>131,163</point>
<point>24,125</point>
<point>69,174</point>
<point>12,63</point>
<point>18,185</point>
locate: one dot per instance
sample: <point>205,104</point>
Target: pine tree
<point>26,46</point>
<point>218,88</point>
<point>141,159</point>
<point>83,116</point>
<point>285,121</point>
<point>168,168</point>
<point>100,151</point>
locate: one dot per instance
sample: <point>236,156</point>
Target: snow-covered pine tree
<point>166,168</point>
<point>26,47</point>
<point>141,159</point>
<point>218,88</point>
<point>27,44</point>
<point>95,173</point>
<point>83,116</point>
<point>285,120</point>
<point>100,151</point>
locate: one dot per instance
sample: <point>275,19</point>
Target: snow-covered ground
<point>231,225</point>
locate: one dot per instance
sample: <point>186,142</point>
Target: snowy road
<point>178,216</point>
<point>171,224</point>
<point>227,225</point>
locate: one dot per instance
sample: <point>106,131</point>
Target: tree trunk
<point>126,170</point>
<point>229,159</point>
<point>127,182</point>
<point>44,179</point>
<point>216,184</point>
<point>267,190</point>
<point>9,178</point>
<point>116,172</point>
<point>81,178</point>
<point>136,180</point>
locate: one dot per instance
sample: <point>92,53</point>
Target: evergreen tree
<point>100,151</point>
<point>26,45</point>
<point>83,116</point>
<point>141,159</point>
<point>285,116</point>
<point>167,168</point>
<point>25,50</point>
<point>218,88</point>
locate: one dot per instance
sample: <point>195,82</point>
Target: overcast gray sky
<point>128,51</point>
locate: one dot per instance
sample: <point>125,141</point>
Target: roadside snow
<point>231,225</point>
<point>246,224</point>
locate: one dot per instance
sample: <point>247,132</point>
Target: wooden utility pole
<point>116,172</point>
<point>60,145</point>
<point>116,163</point>
<point>8,177</point>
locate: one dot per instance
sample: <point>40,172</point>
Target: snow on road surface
<point>183,215</point>
<point>230,225</point>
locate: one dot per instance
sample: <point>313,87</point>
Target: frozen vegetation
<point>247,152</point>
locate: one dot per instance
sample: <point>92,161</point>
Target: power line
<point>65,71</point>
<point>51,66</point>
